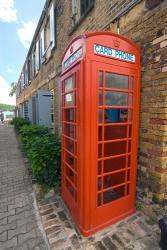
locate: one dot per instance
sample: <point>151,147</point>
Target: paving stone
<point>62,215</point>
<point>46,212</point>
<point>99,246</point>
<point>3,221</point>
<point>53,229</point>
<point>24,237</point>
<point>51,216</point>
<point>68,248</point>
<point>3,236</point>
<point>17,211</point>
<point>117,239</point>
<point>109,244</point>
<point>17,231</point>
<point>9,244</point>
<point>34,242</point>
<point>75,241</point>
<point>8,227</point>
<point>16,217</point>
<point>57,245</point>
<point>50,223</point>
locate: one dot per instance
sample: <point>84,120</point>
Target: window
<point>37,57</point>
<point>33,63</point>
<point>85,5</point>
<point>47,39</point>
<point>26,76</point>
<point>48,35</point>
<point>29,70</point>
<point>42,46</point>
<point>80,8</point>
<point>22,81</point>
<point>53,25</point>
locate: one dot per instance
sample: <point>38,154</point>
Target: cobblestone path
<point>20,224</point>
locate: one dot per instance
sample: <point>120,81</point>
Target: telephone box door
<point>70,109</point>
<point>116,119</point>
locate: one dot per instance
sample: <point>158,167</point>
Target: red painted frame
<point>82,203</point>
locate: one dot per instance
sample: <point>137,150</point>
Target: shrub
<point>28,133</point>
<point>43,151</point>
<point>44,155</point>
<point>19,123</point>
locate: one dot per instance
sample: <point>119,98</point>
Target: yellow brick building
<point>143,21</point>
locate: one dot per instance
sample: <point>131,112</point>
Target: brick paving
<point>20,224</point>
<point>137,232</point>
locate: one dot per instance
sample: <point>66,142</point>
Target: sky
<point>18,21</point>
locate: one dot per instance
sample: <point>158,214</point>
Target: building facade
<point>144,22</point>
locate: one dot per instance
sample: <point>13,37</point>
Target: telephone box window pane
<point>116,115</point>
<point>116,98</point>
<point>130,100</point>
<point>114,164</point>
<point>70,145</point>
<point>113,194</point>
<point>99,167</point>
<point>70,188</point>
<point>130,115</point>
<point>69,130</point>
<point>115,132</point>
<point>70,174</point>
<point>128,189</point>
<point>129,160</point>
<point>131,83</point>
<point>113,179</point>
<point>100,150</point>
<point>69,84</point>
<point>128,175</point>
<point>116,81</point>
<point>129,146</point>
<point>114,148</point>
<point>100,133</point>
<point>99,184</point>
<point>69,99</point>
<point>130,131</point>
<point>69,115</point>
<point>100,79</point>
<point>100,97</point>
<point>69,159</point>
<point>100,115</point>
<point>99,200</point>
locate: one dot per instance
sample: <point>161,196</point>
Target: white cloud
<point>26,33</point>
<point>4,93</point>
<point>7,11</point>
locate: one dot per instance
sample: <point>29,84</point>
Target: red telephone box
<point>100,116</point>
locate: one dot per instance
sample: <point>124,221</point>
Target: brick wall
<point>148,30</point>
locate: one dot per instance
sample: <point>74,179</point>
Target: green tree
<point>6,107</point>
<point>13,86</point>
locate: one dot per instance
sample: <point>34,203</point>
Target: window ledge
<point>75,26</point>
<point>48,59</point>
